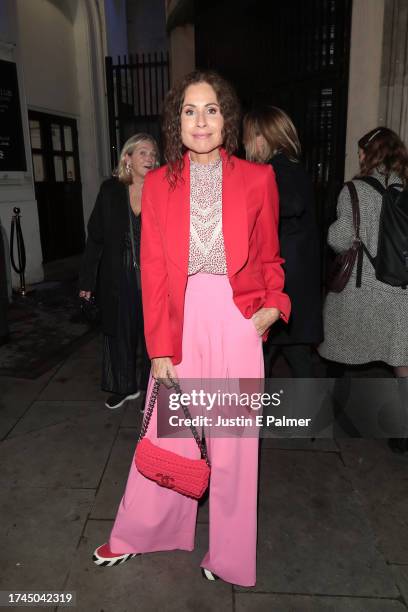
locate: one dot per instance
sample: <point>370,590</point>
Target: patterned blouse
<point>207,253</point>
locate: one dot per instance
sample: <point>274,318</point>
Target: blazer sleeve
<point>341,232</point>
<point>94,245</point>
<point>267,229</point>
<point>154,276</point>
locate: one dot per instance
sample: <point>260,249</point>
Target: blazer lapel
<point>178,220</point>
<point>234,214</point>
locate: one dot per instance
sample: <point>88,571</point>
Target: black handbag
<point>90,310</point>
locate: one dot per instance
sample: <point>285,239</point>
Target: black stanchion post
<point>17,233</point>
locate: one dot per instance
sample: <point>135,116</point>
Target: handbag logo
<point>165,480</point>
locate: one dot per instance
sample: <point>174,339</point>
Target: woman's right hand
<point>164,370</point>
<point>85,294</point>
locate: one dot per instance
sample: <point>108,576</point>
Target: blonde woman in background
<point>271,138</point>
<point>113,249</point>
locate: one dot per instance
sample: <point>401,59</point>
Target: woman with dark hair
<point>270,137</point>
<point>368,323</point>
<point>212,286</point>
<point>113,250</point>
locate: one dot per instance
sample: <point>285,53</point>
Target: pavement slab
<point>16,395</point>
<point>70,454</point>
<point>114,479</point>
<point>203,514</point>
<point>43,414</point>
<point>381,479</point>
<point>77,379</point>
<point>40,532</point>
<point>401,578</point>
<point>314,536</point>
<point>91,350</point>
<point>168,581</point>
<point>132,415</point>
<point>256,602</point>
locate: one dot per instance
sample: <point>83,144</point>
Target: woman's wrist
<point>164,370</point>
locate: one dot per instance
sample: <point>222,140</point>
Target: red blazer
<point>250,208</point>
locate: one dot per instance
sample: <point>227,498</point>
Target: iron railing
<point>294,55</point>
<point>136,88</point>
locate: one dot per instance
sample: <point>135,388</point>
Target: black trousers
<point>125,364</point>
<point>297,356</point>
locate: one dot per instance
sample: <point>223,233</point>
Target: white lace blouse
<point>207,253</point>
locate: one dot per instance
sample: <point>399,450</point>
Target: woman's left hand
<point>264,318</point>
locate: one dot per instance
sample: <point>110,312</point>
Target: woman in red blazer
<point>212,286</point>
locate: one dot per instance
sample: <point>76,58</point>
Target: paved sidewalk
<point>333,526</point>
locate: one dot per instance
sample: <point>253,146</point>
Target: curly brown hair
<point>384,150</point>
<point>229,107</point>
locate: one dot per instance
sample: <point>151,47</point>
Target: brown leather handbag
<point>343,264</point>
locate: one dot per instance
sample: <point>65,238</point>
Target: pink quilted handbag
<point>186,476</point>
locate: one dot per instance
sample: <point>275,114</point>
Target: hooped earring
<point>128,167</point>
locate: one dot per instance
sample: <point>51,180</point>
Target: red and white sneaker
<point>105,557</point>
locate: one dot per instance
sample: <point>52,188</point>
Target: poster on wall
<point>12,152</point>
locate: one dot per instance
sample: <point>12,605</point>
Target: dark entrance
<point>136,88</point>
<point>58,188</point>
<point>292,54</point>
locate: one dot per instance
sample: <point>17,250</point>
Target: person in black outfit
<point>270,137</point>
<point>113,249</point>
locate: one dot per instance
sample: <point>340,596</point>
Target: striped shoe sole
<point>209,575</point>
<point>103,562</point>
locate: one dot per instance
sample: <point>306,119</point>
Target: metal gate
<point>292,54</point>
<point>136,88</point>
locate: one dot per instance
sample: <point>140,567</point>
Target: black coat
<point>299,245</point>
<point>107,228</point>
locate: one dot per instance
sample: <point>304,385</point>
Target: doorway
<point>58,188</point>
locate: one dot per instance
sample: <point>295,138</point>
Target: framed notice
<point>12,151</point>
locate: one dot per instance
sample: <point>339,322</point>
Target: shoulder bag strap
<point>187,414</point>
<point>373,182</point>
<point>132,234</point>
<point>355,208</point>
<point>356,223</point>
<point>132,240</point>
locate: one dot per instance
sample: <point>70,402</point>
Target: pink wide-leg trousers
<point>218,342</point>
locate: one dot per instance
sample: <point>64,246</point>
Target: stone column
<point>393,111</point>
<point>364,77</point>
<point>179,21</point>
<point>182,52</point>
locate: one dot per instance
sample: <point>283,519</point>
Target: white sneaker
<point>116,400</point>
